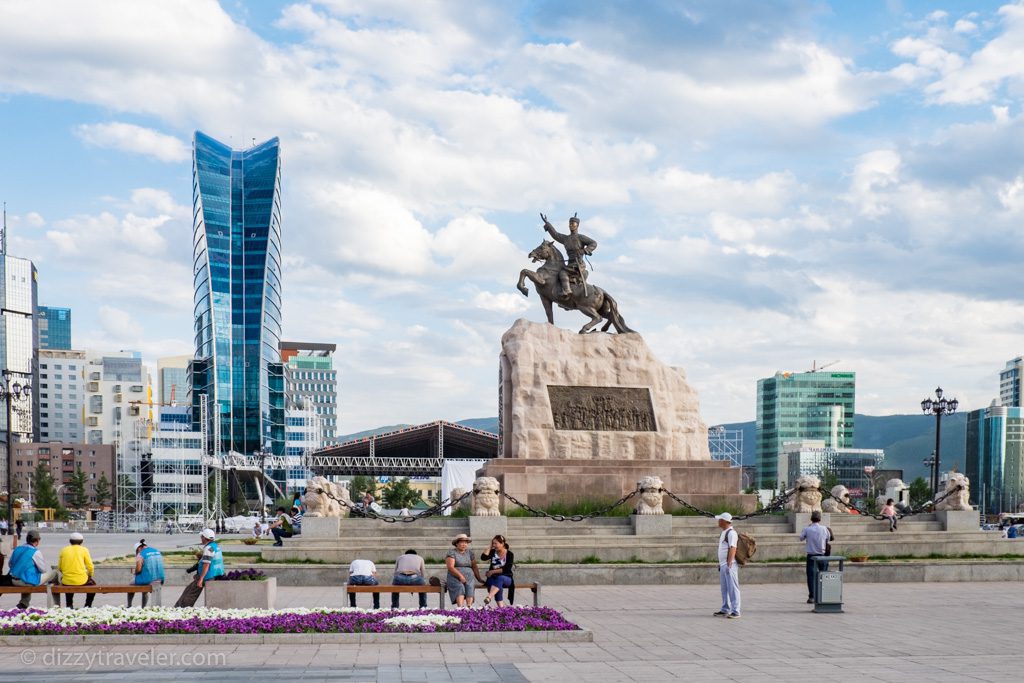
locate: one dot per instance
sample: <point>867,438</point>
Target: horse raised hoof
<point>523,289</point>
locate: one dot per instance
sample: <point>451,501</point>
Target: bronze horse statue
<point>586,298</point>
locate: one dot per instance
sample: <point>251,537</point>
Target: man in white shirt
<point>363,573</point>
<point>728,568</point>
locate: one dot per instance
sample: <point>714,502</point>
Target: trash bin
<point>828,584</point>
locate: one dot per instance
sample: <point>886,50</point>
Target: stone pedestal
<point>958,520</point>
<point>799,520</point>
<point>483,529</point>
<point>652,525</point>
<point>320,527</point>
<point>242,594</point>
<point>711,485</point>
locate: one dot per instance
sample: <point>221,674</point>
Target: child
<point>889,510</point>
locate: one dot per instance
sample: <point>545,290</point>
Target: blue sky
<point>771,184</point>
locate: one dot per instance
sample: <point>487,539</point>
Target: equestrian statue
<point>566,283</point>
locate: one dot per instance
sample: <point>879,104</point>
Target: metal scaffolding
<point>726,444</point>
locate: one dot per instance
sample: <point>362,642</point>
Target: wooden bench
<point>18,590</point>
<point>58,590</point>
<point>433,586</point>
<point>535,587</point>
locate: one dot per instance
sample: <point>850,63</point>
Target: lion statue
<point>485,497</point>
<point>807,496</point>
<point>454,496</point>
<point>651,492</point>
<point>956,500</point>
<point>835,506</point>
<point>320,504</point>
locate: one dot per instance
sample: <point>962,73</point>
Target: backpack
<point>746,546</point>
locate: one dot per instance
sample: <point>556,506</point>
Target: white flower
<point>422,620</point>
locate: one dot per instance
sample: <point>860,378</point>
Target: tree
<point>76,489</point>
<point>920,492</point>
<point>399,494</point>
<point>43,490</point>
<point>829,479</point>
<point>361,485</point>
<point>102,490</point>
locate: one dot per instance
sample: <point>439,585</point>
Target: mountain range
<point>906,439</point>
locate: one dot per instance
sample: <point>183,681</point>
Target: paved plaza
<point>933,632</point>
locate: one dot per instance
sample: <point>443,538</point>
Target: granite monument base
<point>711,485</point>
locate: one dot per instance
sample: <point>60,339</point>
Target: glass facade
<point>54,328</point>
<point>19,341</point>
<point>237,271</point>
<point>995,458</point>
<point>1009,383</point>
<point>799,407</point>
<point>311,382</point>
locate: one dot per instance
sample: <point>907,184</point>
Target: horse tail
<point>614,317</point>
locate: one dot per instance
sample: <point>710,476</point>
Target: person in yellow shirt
<point>76,569</point>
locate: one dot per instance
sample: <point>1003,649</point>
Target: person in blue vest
<point>28,568</point>
<point>209,567</point>
<point>149,568</point>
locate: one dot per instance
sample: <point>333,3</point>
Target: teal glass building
<point>54,328</point>
<point>237,278</point>
<point>995,458</point>
<point>801,406</point>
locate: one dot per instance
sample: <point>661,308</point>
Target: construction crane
<point>818,368</point>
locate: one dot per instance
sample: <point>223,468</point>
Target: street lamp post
<point>939,407</point>
<point>10,393</point>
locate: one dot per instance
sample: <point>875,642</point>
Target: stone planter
<point>242,594</point>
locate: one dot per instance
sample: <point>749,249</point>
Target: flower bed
<point>197,620</point>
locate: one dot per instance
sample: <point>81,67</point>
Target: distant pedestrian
<point>18,526</point>
<point>4,528</point>
<point>817,538</point>
<point>889,510</point>
<point>281,527</point>
<point>149,569</point>
<point>296,521</point>
<point>728,568</point>
<point>8,542</point>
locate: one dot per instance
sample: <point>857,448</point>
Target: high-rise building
<point>1009,383</point>
<point>118,392</point>
<point>312,383</point>
<point>800,406</point>
<point>995,458</point>
<point>173,380</point>
<point>54,327</point>
<point>851,466</point>
<point>19,340</point>
<point>176,463</point>
<point>61,391</point>
<point>237,256</point>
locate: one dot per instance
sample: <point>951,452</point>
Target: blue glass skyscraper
<point>237,277</point>
<point>54,327</point>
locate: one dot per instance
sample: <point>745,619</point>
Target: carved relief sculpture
<point>611,409</point>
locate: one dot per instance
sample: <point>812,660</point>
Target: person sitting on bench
<point>149,568</point>
<point>76,569</point>
<point>28,568</point>
<point>409,571</point>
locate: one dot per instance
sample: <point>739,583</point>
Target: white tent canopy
<point>458,474</point>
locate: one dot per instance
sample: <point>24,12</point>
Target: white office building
<point>61,391</point>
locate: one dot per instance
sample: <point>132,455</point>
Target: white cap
<point>208,533</point>
<point>724,516</point>
<point>139,544</point>
<point>77,537</point>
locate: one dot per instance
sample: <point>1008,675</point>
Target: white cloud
<point>131,138</point>
<point>501,302</point>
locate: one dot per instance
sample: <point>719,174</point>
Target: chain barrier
<point>432,511</point>
<point>571,518</point>
<point>922,508</point>
<point>777,504</point>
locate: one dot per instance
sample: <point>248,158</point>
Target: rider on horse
<point>576,247</point>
